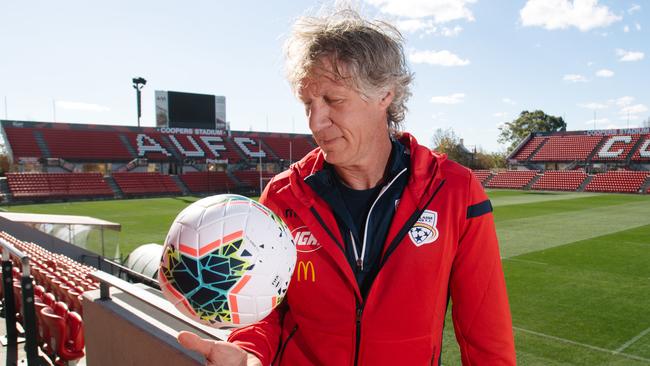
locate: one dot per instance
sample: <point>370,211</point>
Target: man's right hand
<point>217,353</point>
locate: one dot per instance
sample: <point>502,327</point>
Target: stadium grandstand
<point>61,161</point>
<point>616,160</point>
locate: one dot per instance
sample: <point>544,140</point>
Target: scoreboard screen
<point>189,110</point>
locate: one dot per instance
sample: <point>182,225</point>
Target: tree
<point>446,141</point>
<point>485,160</point>
<point>527,122</point>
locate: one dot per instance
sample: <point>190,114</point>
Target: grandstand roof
<point>30,218</point>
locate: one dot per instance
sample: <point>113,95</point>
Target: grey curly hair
<point>372,53</point>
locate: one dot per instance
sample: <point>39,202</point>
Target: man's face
<point>346,126</point>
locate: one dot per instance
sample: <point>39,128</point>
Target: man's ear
<point>387,99</point>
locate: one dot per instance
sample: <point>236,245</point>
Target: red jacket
<point>325,321</point>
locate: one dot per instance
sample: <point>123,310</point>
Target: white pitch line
<point>595,348</point>
<point>631,341</point>
<point>523,261</point>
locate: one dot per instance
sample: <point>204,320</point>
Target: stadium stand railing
<point>560,180</point>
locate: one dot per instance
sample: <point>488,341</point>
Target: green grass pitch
<point>577,267</point>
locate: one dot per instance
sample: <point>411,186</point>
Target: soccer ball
<point>227,261</point>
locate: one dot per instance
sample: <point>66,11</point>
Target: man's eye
<point>334,100</point>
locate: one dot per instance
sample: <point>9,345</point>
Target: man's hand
<point>217,353</point>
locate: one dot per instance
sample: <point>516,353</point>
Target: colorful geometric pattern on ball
<point>227,261</point>
<point>207,282</point>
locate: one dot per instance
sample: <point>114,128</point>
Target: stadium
<point>567,302</point>
<point>89,195</point>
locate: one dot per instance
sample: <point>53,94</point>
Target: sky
<point>477,63</point>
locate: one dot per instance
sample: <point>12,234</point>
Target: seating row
<point>251,178</point>
<point>58,284</point>
<point>580,147</point>
<point>560,180</point>
<point>625,181</point>
<point>87,143</point>
<point>207,182</point>
<point>53,185</point>
<point>567,148</point>
<point>141,183</point>
<point>512,179</point>
<point>618,181</point>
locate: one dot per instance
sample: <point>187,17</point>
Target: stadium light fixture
<point>138,84</point>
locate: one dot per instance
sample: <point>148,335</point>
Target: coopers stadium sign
<point>191,131</point>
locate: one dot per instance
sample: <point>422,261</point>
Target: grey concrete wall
<point>128,331</point>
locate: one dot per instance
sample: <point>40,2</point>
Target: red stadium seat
<point>66,336</point>
<point>251,178</point>
<point>208,182</point>
<point>512,179</point>
<point>482,175</point>
<point>145,183</point>
<point>526,150</point>
<point>625,181</point>
<point>57,185</point>
<point>560,180</point>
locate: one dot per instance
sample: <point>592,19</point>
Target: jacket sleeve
<point>480,309</point>
<point>262,338</point>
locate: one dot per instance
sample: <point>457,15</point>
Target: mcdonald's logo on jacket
<point>305,268</point>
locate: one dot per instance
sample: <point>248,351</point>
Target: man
<point>389,231</point>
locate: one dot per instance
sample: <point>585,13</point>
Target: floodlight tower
<point>138,84</point>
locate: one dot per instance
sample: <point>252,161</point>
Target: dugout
<point>85,239</point>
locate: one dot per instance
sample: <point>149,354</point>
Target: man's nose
<point>319,117</point>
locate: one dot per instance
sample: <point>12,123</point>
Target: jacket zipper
<point>284,345</point>
<point>358,332</point>
<point>359,259</point>
<point>400,235</point>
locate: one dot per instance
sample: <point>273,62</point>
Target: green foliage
<point>528,122</point>
<point>448,142</point>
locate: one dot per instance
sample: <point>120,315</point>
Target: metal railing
<point>28,309</point>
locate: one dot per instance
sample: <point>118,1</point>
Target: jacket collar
<point>322,181</point>
<point>423,166</point>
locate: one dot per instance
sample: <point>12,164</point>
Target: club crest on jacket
<point>424,231</point>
